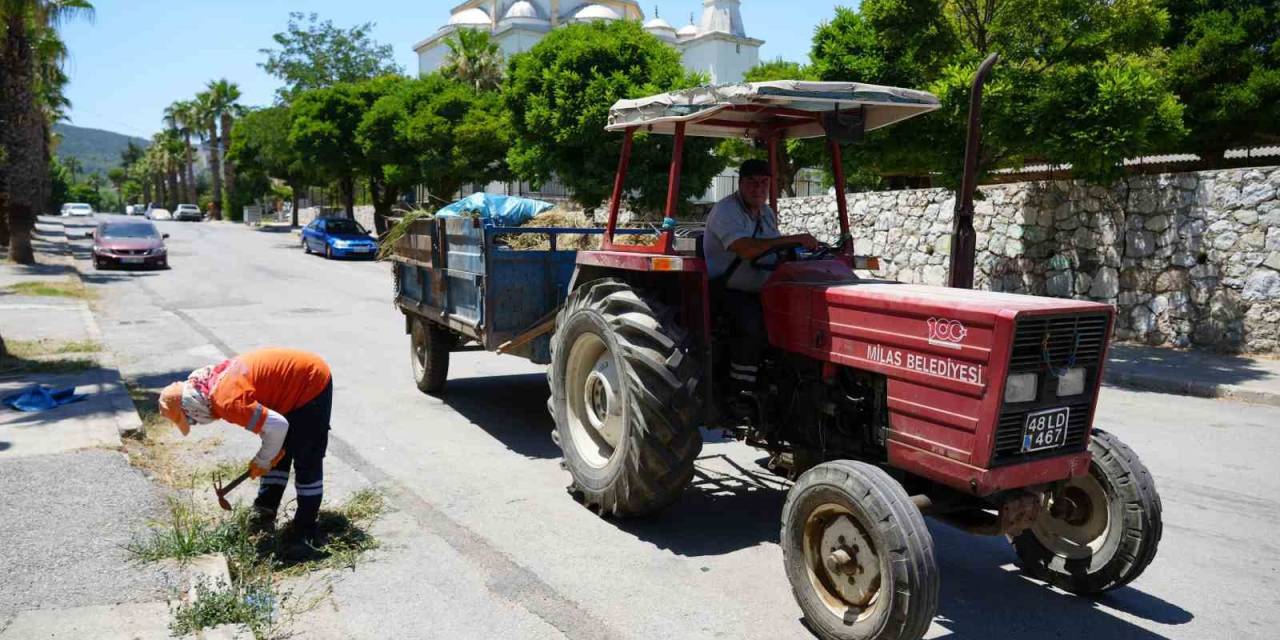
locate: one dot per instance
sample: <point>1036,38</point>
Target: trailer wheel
<point>858,554</point>
<point>1102,530</point>
<point>429,346</point>
<point>624,397</point>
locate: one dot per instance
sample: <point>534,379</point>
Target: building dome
<point>688,31</point>
<point>596,12</point>
<point>661,29</point>
<point>474,17</point>
<point>522,10</point>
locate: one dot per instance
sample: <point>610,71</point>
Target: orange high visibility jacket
<point>278,379</point>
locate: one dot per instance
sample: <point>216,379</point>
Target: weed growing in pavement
<point>249,605</point>
<point>187,532</point>
<point>68,289</point>
<point>256,560</point>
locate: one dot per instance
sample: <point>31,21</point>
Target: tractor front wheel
<point>858,554</point>
<point>623,394</point>
<point>1101,530</point>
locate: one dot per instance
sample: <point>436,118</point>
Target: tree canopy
<point>435,131</point>
<point>1080,81</point>
<point>317,54</point>
<point>558,96</point>
<point>1224,63</point>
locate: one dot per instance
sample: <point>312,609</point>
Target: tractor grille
<point>1040,345</point>
<point>1059,338</point>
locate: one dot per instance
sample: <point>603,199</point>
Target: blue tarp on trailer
<point>497,211</point>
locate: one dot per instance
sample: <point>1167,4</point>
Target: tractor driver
<point>740,229</point>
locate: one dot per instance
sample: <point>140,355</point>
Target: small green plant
<point>250,605</point>
<point>187,532</point>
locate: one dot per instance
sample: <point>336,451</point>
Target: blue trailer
<point>457,281</point>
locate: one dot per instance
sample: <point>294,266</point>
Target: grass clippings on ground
<point>68,289</point>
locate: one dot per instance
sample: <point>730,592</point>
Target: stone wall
<point>1189,259</point>
<point>364,214</point>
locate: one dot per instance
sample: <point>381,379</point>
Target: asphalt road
<point>495,547</point>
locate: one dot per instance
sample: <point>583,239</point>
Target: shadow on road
<point>512,409</point>
<point>726,508</point>
<point>120,274</point>
<point>729,507</point>
<point>981,598</point>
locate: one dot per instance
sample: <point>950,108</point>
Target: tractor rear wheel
<point>1102,530</point>
<point>858,554</point>
<point>429,347</point>
<point>624,390</point>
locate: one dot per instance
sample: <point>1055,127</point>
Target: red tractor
<point>884,401</point>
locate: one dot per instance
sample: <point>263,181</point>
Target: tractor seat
<point>694,231</point>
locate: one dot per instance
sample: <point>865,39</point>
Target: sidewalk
<point>1194,373</point>
<point>71,499</point>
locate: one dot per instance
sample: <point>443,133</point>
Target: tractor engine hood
<point>944,353</point>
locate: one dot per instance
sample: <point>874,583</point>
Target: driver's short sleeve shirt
<point>728,223</point>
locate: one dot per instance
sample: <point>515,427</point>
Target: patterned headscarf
<point>197,389</point>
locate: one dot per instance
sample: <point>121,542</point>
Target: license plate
<point>131,260</point>
<point>362,249</point>
<point>1045,429</point>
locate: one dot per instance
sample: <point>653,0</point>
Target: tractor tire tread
<point>663,441</point>
<point>900,525</point>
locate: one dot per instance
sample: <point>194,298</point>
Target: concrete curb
<point>1193,388</point>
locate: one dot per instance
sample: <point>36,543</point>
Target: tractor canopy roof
<point>790,108</point>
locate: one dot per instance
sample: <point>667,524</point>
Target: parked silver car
<point>188,212</point>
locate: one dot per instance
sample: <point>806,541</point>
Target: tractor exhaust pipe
<point>963,237</point>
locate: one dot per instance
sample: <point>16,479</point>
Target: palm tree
<point>209,113</point>
<point>73,166</point>
<point>473,58</point>
<point>223,95</point>
<point>23,123</point>
<point>182,116</point>
<point>117,176</point>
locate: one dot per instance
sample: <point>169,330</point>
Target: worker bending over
<point>284,396</point>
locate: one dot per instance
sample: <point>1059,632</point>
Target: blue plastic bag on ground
<point>497,211</point>
<point>39,398</point>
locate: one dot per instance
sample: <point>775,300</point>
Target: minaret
<point>724,16</point>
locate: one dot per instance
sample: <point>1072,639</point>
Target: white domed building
<point>716,45</point>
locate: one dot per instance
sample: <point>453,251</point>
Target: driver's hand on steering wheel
<point>807,241</point>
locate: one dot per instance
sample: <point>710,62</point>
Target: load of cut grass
<point>565,219</point>
<point>387,244</point>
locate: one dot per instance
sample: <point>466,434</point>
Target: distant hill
<point>97,150</point>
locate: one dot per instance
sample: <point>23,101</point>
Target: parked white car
<point>188,212</point>
<point>77,209</point>
<point>135,209</point>
<point>158,213</point>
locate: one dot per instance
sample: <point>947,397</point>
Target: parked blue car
<point>338,238</point>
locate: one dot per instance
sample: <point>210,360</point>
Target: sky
<point>138,56</point>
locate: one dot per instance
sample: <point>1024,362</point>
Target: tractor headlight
<point>1020,387</point>
<point>1071,383</point>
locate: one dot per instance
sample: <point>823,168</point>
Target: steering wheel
<point>783,253</point>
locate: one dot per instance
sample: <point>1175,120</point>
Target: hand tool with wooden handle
<point>223,491</point>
